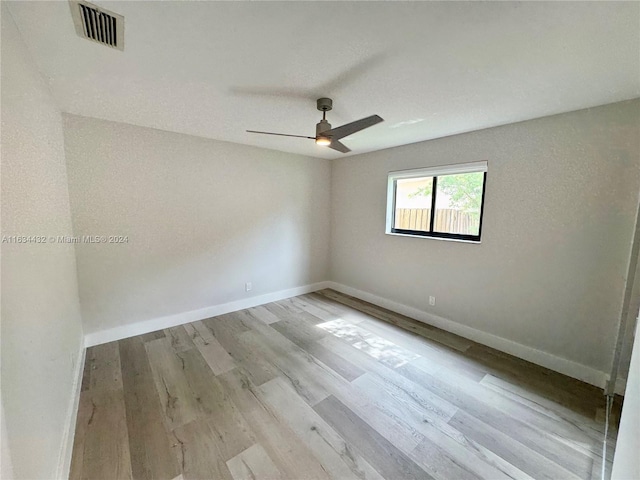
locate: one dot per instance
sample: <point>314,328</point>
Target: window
<point>443,202</point>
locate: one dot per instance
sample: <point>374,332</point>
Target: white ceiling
<point>430,69</point>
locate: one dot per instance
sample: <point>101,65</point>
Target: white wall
<point>41,329</point>
<point>549,274</point>
<point>626,462</point>
<point>202,216</point>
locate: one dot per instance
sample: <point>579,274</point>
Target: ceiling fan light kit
<point>330,137</point>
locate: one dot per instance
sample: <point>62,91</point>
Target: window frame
<point>435,172</point>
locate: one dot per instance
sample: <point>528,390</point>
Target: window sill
<point>475,242</point>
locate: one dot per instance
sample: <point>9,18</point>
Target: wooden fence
<point>447,220</point>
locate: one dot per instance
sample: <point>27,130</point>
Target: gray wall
<point>202,216</point>
<point>41,329</point>
<point>561,198</point>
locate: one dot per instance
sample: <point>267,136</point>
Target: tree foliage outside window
<point>464,191</point>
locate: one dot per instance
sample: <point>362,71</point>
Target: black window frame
<point>434,189</point>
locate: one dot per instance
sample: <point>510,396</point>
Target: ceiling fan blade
<point>339,146</point>
<point>353,127</point>
<point>281,134</point>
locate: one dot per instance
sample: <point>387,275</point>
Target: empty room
<point>320,240</point>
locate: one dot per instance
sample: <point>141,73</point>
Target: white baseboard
<point>146,326</point>
<point>64,463</point>
<point>562,365</point>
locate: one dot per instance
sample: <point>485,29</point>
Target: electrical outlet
<point>432,301</point>
<point>248,287</point>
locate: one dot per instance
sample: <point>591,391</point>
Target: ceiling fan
<point>330,137</point>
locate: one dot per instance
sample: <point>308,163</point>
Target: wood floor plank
<point>390,379</point>
<point>454,452</point>
<point>560,388</point>
<point>377,415</point>
<point>227,331</point>
<point>215,355</point>
<point>282,445</point>
<point>147,337</point>
<point>310,377</point>
<point>82,421</point>
<point>254,464</point>
<point>407,393</point>
<point>298,331</point>
<point>233,324</point>
<point>312,308</point>
<point>299,368</point>
<point>197,332</point>
<point>380,453</point>
<point>205,445</point>
<point>323,303</point>
<point>546,445</point>
<point>219,432</point>
<point>403,436</point>
<point>179,338</point>
<point>341,310</point>
<point>105,443</point>
<point>262,313</point>
<point>343,367</point>
<point>440,464</point>
<point>149,445</point>
<point>543,405</point>
<point>337,456</point>
<point>178,403</point>
<point>573,434</point>
<point>305,336</point>
<point>290,309</point>
<point>102,364</point>
<point>525,459</point>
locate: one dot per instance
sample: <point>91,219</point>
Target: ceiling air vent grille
<point>97,24</point>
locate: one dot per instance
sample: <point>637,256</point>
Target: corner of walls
<point>332,217</point>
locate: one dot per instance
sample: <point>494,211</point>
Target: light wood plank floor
<point>326,386</point>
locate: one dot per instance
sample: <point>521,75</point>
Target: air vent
<point>97,24</point>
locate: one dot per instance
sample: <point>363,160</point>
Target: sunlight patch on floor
<point>377,347</point>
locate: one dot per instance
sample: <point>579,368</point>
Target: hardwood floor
<point>327,386</point>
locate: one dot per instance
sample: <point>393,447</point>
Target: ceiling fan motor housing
<point>322,126</point>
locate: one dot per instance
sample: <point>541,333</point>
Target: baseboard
<point>64,463</point>
<point>562,365</point>
<point>146,326</point>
